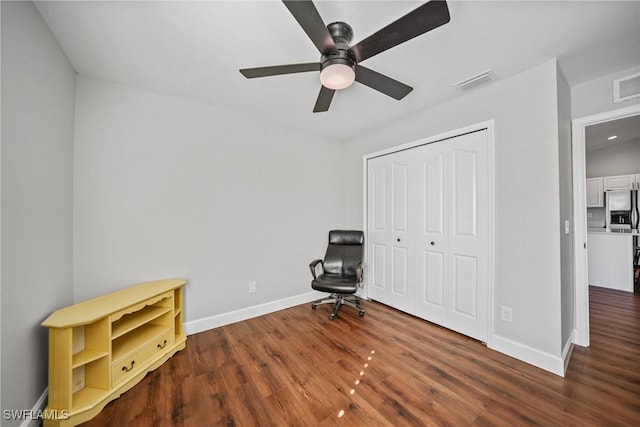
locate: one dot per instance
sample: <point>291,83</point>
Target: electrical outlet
<point>589,214</point>
<point>507,314</point>
<point>252,287</point>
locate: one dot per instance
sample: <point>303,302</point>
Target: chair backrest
<point>345,252</point>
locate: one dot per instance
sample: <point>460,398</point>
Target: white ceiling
<point>194,50</point>
<point>625,130</point>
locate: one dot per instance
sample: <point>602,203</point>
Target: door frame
<point>491,185</point>
<point>581,277</point>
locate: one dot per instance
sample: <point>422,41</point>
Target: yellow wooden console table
<point>100,348</point>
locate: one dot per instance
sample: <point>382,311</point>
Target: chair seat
<point>335,283</point>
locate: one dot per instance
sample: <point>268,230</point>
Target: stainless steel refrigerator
<point>622,210</point>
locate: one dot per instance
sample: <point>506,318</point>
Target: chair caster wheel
<point>357,302</point>
<point>313,306</point>
<point>361,313</point>
<point>332,317</point>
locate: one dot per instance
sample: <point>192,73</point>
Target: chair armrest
<point>360,272</point>
<point>317,268</point>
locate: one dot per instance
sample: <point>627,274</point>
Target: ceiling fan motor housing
<point>342,33</point>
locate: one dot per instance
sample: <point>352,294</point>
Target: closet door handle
<point>433,243</point>
<point>398,239</point>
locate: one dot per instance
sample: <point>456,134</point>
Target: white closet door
<point>390,246</point>
<point>428,232</point>
<point>468,235</point>
<point>432,233</point>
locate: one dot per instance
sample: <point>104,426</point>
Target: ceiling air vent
<point>626,88</point>
<point>476,80</point>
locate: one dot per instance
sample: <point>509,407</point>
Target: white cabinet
<point>620,182</point>
<point>610,259</point>
<point>595,192</point>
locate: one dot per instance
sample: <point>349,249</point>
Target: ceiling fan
<point>339,63</point>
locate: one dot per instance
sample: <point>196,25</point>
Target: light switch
<point>566,226</point>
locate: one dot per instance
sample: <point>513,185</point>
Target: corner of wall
<point>566,191</point>
<point>533,356</point>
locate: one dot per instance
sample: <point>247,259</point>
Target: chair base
<point>339,300</point>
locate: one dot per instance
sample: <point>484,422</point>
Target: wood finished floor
<point>296,368</point>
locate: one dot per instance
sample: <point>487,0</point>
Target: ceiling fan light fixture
<point>337,75</point>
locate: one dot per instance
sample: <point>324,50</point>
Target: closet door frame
<point>489,127</point>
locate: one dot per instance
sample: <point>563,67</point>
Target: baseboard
<point>568,349</point>
<point>201,325</point>
<point>32,419</point>
<point>530,355</point>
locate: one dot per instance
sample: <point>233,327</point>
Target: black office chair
<point>341,271</point>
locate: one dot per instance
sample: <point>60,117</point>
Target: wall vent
<point>626,88</point>
<point>476,80</point>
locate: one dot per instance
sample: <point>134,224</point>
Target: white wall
<point>528,273</point>
<point>37,151</point>
<point>166,187</point>
<point>566,210</point>
<point>596,96</point>
<point>616,159</point>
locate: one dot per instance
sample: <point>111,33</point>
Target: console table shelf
<point>147,314</point>
<point>86,356</point>
<point>100,348</point>
<point>85,398</point>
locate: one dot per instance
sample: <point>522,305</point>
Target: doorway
<point>581,284</point>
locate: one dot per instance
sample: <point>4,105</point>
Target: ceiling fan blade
<point>309,19</point>
<point>275,70</point>
<point>425,18</point>
<point>382,83</point>
<point>324,100</point>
